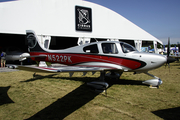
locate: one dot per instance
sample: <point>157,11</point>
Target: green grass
<point>51,96</point>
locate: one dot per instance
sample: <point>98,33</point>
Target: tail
<point>33,42</point>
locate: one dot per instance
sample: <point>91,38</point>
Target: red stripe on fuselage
<point>73,59</point>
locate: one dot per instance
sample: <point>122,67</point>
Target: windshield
<point>126,48</point>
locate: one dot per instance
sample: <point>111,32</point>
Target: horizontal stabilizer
<point>37,56</point>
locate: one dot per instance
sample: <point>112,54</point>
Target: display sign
<point>83,18</point>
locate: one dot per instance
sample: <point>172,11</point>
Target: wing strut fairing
<point>156,82</point>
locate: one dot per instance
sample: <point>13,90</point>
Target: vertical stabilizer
<point>33,42</point>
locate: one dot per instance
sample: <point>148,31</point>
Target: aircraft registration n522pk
<point>114,57</point>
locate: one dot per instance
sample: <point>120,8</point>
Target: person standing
<point>3,59</point>
<point>0,58</point>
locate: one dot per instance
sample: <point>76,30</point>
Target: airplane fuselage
<point>112,54</point>
<point>114,57</point>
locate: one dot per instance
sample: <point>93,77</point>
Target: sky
<point>160,18</point>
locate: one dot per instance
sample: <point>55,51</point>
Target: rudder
<point>33,43</point>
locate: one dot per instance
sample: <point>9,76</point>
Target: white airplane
<point>15,54</point>
<point>114,57</point>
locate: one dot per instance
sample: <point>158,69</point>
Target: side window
<point>46,43</point>
<point>91,49</point>
<point>126,48</point>
<point>109,48</point>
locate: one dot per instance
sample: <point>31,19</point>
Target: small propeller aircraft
<point>114,57</point>
<point>15,54</point>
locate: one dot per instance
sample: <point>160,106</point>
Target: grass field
<point>54,97</point>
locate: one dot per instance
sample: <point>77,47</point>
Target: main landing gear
<point>101,85</point>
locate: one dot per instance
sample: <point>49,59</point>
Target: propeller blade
<point>168,48</point>
<point>169,59</point>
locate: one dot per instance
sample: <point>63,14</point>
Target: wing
<point>57,69</point>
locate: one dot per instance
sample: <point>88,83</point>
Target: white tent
<point>58,18</point>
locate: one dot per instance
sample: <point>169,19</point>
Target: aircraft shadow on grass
<point>88,79</point>
<point>39,77</point>
<point>66,105</point>
<point>168,114</point>
<point>4,98</point>
<point>74,100</point>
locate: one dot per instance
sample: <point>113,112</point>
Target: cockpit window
<point>126,48</point>
<point>109,48</point>
<point>91,49</point>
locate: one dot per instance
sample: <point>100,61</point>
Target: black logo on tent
<point>83,18</point>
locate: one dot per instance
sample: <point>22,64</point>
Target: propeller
<point>169,59</point>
